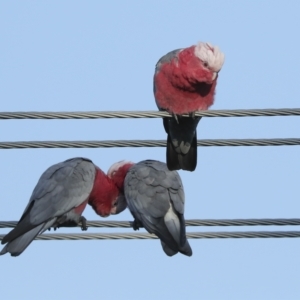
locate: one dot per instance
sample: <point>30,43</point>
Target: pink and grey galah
<point>184,83</point>
<point>60,197</point>
<point>155,198</point>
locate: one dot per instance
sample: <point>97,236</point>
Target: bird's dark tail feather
<point>177,161</point>
<point>181,143</point>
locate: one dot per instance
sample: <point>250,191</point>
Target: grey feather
<point>18,245</point>
<point>61,188</point>
<point>167,59</point>
<point>155,198</point>
<point>164,59</point>
<point>168,250</point>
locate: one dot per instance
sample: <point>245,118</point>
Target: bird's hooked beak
<point>119,206</point>
<point>104,215</point>
<point>214,76</point>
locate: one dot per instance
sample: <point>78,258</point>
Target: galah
<point>184,83</point>
<point>155,198</point>
<point>59,199</point>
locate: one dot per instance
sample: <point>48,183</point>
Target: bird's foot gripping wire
<point>175,117</point>
<point>54,228</point>
<point>71,223</point>
<point>83,223</point>
<point>192,114</point>
<point>136,225</point>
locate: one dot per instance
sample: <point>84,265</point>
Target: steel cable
<point>193,222</point>
<point>147,143</point>
<point>148,114</point>
<point>190,235</point>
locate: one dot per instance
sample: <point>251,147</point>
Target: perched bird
<point>184,83</point>
<point>59,199</point>
<point>155,198</point>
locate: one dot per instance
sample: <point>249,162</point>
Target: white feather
<point>116,166</point>
<point>211,55</point>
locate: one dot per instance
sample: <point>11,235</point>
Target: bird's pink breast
<point>79,209</point>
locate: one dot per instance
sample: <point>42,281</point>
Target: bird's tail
<point>177,241</point>
<point>181,143</point>
<point>18,245</point>
<point>167,249</point>
<point>186,249</point>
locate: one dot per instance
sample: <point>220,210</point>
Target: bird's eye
<point>205,64</point>
<point>116,203</point>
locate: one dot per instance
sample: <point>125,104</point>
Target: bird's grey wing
<point>170,180</point>
<point>165,59</point>
<point>174,219</point>
<point>145,201</point>
<point>60,188</point>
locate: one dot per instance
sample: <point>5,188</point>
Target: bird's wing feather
<point>61,188</point>
<point>166,59</point>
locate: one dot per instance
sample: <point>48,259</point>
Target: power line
<point>147,143</point>
<point>194,222</point>
<point>148,114</point>
<point>190,235</point>
<point>159,143</point>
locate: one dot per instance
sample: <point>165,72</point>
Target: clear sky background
<point>100,55</point>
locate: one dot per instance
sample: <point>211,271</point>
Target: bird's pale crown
<point>211,55</point>
<point>116,166</point>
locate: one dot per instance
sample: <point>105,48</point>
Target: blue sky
<point>100,55</point>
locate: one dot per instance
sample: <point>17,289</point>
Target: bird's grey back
<point>149,178</point>
<point>62,187</point>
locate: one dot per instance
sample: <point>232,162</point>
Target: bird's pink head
<point>105,197</point>
<point>117,172</point>
<point>202,62</point>
<point>211,56</point>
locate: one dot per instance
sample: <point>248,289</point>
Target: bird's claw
<point>136,225</point>
<point>83,223</point>
<point>176,118</point>
<point>192,114</point>
<point>54,228</point>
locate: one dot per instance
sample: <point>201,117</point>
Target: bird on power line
<point>184,83</point>
<point>60,197</point>
<point>155,198</point>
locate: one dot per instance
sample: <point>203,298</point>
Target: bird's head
<point>202,62</point>
<point>118,171</point>
<point>119,205</point>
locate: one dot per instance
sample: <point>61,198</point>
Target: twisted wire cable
<point>190,235</point>
<point>147,143</point>
<point>148,114</point>
<point>192,222</point>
